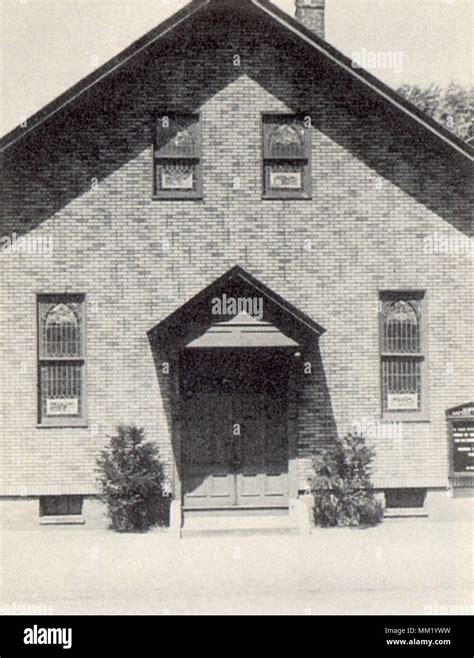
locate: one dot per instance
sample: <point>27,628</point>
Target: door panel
<point>276,484</point>
<point>207,451</point>
<point>262,480</point>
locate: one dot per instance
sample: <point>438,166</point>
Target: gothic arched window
<point>402,353</point>
<point>286,141</point>
<point>61,359</point>
<point>401,326</point>
<point>61,332</point>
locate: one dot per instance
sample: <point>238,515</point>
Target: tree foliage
<point>132,481</point>
<point>341,487</point>
<point>452,106</point>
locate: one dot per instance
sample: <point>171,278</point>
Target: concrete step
<point>241,524</point>
<point>405,513</point>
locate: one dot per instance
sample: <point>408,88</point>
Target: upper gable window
<point>286,157</point>
<point>177,157</point>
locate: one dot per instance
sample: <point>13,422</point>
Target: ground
<point>401,567</point>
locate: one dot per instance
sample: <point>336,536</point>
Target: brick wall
<point>379,190</point>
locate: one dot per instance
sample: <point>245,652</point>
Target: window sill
<point>290,197</point>
<point>177,197</point>
<point>405,418</point>
<point>48,425</point>
<point>62,520</point>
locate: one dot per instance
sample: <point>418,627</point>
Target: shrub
<point>341,487</point>
<point>132,481</point>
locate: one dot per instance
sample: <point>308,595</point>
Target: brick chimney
<point>311,14</point>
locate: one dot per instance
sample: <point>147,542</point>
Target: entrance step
<point>240,522</point>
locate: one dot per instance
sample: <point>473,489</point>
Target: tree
<point>132,481</point>
<point>341,487</point>
<point>452,107</point>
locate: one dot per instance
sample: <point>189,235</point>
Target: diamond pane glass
<point>175,176</point>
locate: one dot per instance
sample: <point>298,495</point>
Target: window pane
<point>74,504</point>
<point>175,176</point>
<point>401,384</point>
<point>60,330</point>
<point>50,506</point>
<point>179,139</point>
<point>61,385</point>
<point>285,141</point>
<point>285,176</point>
<point>401,327</point>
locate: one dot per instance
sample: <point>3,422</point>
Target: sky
<point>48,45</point>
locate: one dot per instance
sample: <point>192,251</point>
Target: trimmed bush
<point>341,487</point>
<point>132,481</point>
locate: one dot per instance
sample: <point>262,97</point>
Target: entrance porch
<point>234,407</point>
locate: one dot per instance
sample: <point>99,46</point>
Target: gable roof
<point>462,411</point>
<point>194,314</point>
<point>274,13</point>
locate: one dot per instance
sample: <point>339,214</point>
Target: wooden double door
<point>234,446</point>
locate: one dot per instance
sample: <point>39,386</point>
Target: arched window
<point>286,141</point>
<point>61,359</point>
<point>401,327</point>
<point>402,353</point>
<point>61,334</point>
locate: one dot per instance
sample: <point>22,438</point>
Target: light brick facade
<point>382,188</point>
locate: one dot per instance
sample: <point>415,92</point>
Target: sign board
<point>463,447</point>
<point>461,421</point>
<point>402,401</point>
<point>69,407</point>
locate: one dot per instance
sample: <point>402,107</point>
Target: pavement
<point>409,566</point>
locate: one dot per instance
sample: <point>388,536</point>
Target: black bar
<point>238,637</point>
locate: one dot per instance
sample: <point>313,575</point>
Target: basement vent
<point>60,506</point>
<point>405,498</point>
